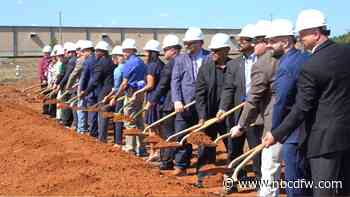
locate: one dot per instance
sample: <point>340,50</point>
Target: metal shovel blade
<point>51,101</point>
<point>107,114</point>
<point>153,139</point>
<point>132,132</point>
<point>164,145</point>
<point>212,169</point>
<point>121,118</point>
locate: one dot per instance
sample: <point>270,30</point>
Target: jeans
<point>82,117</point>
<point>183,121</point>
<point>118,126</point>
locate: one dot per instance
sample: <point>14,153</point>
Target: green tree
<point>343,39</point>
<point>53,41</point>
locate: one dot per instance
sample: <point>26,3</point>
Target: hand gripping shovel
<point>205,125</point>
<point>137,132</point>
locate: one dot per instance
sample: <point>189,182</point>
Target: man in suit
<point>258,104</point>
<point>209,85</point>
<point>183,82</point>
<point>171,47</point>
<point>102,83</point>
<point>236,86</point>
<point>290,60</point>
<point>322,101</point>
<point>91,99</point>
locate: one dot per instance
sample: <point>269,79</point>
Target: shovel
<point>31,88</point>
<point>225,169</point>
<point>205,125</point>
<point>138,132</point>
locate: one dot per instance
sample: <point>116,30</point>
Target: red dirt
<point>199,138</point>
<point>38,157</point>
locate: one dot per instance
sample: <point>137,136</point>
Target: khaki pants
<point>134,143</point>
<point>59,112</point>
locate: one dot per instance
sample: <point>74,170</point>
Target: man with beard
<point>322,101</point>
<point>183,82</point>
<point>236,87</point>
<point>209,85</point>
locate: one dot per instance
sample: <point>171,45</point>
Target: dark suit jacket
<point>323,101</point>
<point>207,98</point>
<point>102,78</point>
<point>68,70</point>
<point>163,89</point>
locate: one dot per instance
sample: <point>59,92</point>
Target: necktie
<point>194,67</point>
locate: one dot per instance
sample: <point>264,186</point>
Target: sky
<point>167,13</point>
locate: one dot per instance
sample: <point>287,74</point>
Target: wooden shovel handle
<point>257,149</point>
<point>167,117</point>
<point>182,132</point>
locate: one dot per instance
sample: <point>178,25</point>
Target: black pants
<point>331,167</point>
<point>168,128</point>
<point>45,106</point>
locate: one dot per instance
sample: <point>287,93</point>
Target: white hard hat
<point>171,40</point>
<point>129,44</point>
<point>79,43</point>
<point>220,40</point>
<point>311,18</point>
<point>117,50</point>
<point>59,51</point>
<point>262,28</point>
<point>152,45</point>
<point>193,33</point>
<point>47,49</point>
<point>247,31</point>
<point>52,54</point>
<point>86,44</point>
<point>102,45</point>
<point>281,27</point>
<point>57,46</point>
<point>70,46</point>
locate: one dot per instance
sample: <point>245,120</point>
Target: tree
<point>343,39</point>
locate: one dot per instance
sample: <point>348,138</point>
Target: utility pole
<point>60,27</point>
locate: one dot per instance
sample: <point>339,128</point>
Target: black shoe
<point>164,167</point>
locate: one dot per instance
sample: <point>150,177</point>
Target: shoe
<point>198,184</point>
<point>164,167</point>
<point>117,146</point>
<point>179,172</point>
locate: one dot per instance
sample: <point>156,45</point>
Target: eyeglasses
<point>190,43</point>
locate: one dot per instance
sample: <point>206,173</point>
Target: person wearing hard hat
<point>322,103</point>
<point>258,105</point>
<point>209,86</point>
<point>133,80</point>
<point>235,90</point>
<point>59,74</point>
<point>86,76</point>
<point>100,84</point>
<point>183,83</point>
<point>73,80</point>
<point>282,41</point>
<point>71,58</point>
<point>43,65</point>
<point>154,67</point>
<point>118,60</point>
<point>50,80</point>
<point>171,46</point>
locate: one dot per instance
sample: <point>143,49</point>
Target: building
<point>27,41</point>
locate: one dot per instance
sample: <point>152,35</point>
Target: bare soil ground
<point>39,157</point>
